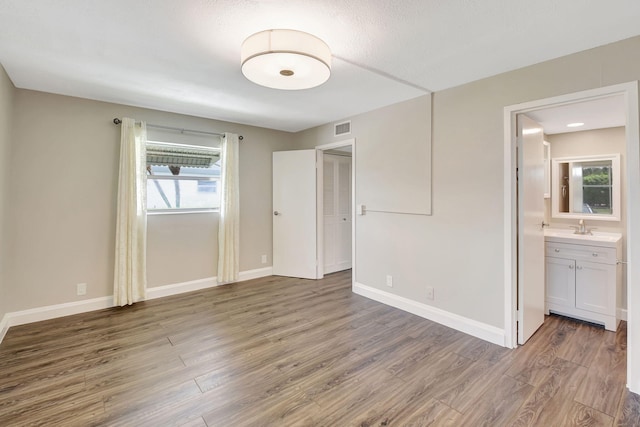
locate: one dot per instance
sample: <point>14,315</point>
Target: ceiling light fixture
<point>575,125</point>
<point>285,59</point>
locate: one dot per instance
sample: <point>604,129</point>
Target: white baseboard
<point>621,314</point>
<point>4,327</point>
<point>180,288</point>
<point>196,285</point>
<point>76,307</point>
<point>255,274</point>
<point>58,310</point>
<point>468,326</point>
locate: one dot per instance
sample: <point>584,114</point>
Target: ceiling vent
<point>343,128</point>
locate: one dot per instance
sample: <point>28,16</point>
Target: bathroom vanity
<point>583,277</point>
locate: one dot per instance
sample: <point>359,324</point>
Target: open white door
<point>530,227</point>
<point>294,214</point>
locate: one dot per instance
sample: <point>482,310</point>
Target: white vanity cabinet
<point>583,278</point>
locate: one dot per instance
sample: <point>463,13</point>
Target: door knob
<point>276,213</point>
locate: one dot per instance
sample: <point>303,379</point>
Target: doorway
<point>335,202</point>
<point>336,170</point>
<point>630,93</point>
<point>298,211</point>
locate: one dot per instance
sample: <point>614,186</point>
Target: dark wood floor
<point>281,351</point>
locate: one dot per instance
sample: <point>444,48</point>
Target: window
<point>597,188</point>
<point>182,177</point>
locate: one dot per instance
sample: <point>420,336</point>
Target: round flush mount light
<point>575,125</point>
<point>285,59</point>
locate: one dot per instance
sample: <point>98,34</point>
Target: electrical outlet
<point>389,281</point>
<point>430,293</point>
<point>264,259</point>
<point>81,288</point>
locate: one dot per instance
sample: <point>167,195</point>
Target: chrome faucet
<point>581,228</point>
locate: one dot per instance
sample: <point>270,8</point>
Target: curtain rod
<point>117,121</point>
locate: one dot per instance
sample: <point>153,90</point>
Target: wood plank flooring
<point>290,352</point>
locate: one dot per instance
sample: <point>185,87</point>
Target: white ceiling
<point>183,56</point>
<point>598,113</point>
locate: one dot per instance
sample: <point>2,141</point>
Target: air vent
<point>343,128</point>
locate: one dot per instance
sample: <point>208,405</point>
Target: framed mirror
<point>586,187</point>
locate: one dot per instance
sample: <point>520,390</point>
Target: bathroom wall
<point>591,143</point>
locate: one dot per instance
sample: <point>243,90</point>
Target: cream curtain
<point>229,231</point>
<point>130,275</point>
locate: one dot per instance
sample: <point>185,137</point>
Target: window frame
<point>615,176</point>
<point>172,211</point>
<point>608,187</point>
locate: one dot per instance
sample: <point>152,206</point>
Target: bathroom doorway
<point>515,307</point>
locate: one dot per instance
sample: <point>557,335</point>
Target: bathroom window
<point>182,178</point>
<point>597,188</point>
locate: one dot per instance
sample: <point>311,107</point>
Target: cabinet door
<point>595,287</point>
<point>560,281</point>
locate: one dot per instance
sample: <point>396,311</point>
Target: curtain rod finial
<point>117,121</point>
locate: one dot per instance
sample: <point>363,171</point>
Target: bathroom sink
<point>597,238</point>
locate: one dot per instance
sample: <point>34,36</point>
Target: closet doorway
<point>336,171</point>
<point>335,214</point>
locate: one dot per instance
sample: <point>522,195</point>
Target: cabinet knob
<point>579,267</point>
<point>594,254</point>
<point>557,250</point>
<point>571,267</point>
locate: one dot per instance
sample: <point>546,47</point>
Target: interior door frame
<point>632,134</point>
<point>320,205</point>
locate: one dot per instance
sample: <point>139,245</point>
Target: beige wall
<point>459,249</point>
<point>64,164</point>
<point>6,103</point>
<point>393,155</point>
